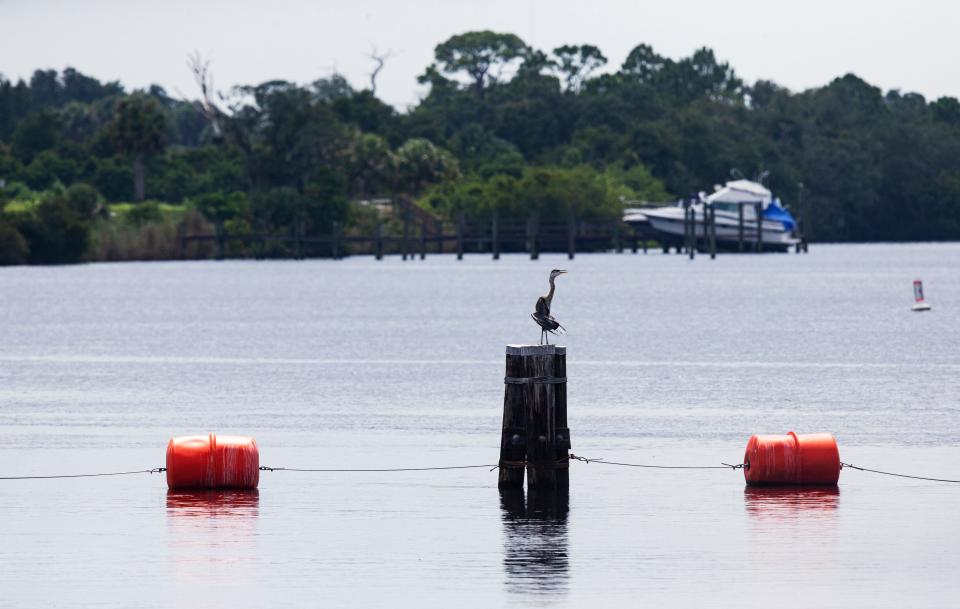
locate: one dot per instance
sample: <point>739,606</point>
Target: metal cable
<point>876,471</point>
<point>264,468</point>
<point>604,462</point>
<point>155,470</point>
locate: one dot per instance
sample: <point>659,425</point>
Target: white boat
<point>777,226</point>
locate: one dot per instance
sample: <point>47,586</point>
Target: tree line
<point>504,127</point>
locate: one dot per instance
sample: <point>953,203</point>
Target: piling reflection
<point>787,503</point>
<point>535,557</point>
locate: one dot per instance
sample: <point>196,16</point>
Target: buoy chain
<point>876,471</point>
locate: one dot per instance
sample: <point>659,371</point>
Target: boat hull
<point>669,222</point>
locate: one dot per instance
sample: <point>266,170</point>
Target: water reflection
<point>787,503</point>
<point>234,504</point>
<point>212,536</point>
<point>535,557</point>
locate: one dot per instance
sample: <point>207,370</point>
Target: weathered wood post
<point>495,235</point>
<point>423,240</point>
<point>181,240</point>
<point>713,232</point>
<point>534,229</point>
<point>460,236</point>
<point>219,231</point>
<point>535,435</point>
<point>740,227</point>
<point>759,211</point>
<point>406,234</point>
<point>335,241</point>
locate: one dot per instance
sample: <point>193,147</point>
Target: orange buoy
<point>792,459</point>
<point>212,462</point>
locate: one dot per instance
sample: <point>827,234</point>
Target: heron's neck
<point>550,293</point>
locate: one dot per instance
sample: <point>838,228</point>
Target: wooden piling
<point>335,241</point>
<point>535,435</point>
<point>220,252</point>
<point>423,240</point>
<point>533,225</point>
<point>405,247</point>
<point>713,232</point>
<point>759,211</point>
<point>495,235</point>
<point>181,240</point>
<point>739,227</point>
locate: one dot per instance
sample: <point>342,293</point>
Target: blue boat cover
<point>777,213</point>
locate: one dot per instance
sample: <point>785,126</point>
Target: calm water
<point>366,364</point>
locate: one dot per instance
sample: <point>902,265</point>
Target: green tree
<point>54,232</point>
<point>576,63</point>
<point>420,163</point>
<point>482,56</point>
<point>38,132</point>
<point>13,247</point>
<point>138,129</point>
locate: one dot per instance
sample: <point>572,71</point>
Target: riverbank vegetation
<point>91,171</point>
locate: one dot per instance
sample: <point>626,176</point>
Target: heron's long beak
<point>561,271</point>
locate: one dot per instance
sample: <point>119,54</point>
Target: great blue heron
<point>541,315</point>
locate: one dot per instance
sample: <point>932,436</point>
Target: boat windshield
<point>731,207</point>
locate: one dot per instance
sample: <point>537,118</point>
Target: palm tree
<point>138,128</point>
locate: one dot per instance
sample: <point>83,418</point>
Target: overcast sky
<point>912,46</point>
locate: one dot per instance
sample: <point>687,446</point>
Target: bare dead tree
<point>379,61</point>
<point>200,68</point>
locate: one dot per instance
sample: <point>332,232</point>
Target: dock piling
<point>423,240</point>
<point>759,211</point>
<point>713,231</point>
<point>406,234</point>
<point>335,241</point>
<point>495,235</point>
<point>740,228</point>
<point>535,435</point>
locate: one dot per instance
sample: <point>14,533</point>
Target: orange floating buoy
<point>792,459</point>
<point>212,462</point>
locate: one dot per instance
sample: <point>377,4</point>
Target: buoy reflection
<point>535,557</point>
<point>776,503</point>
<point>212,536</point>
<point>238,504</point>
